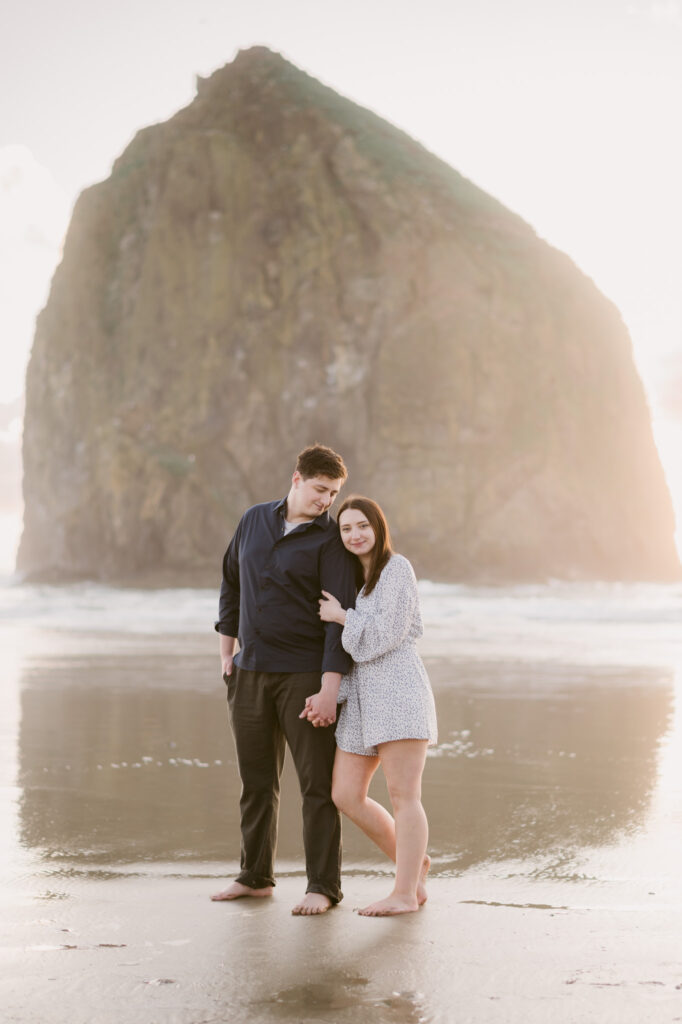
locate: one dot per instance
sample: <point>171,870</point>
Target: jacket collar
<point>322,520</point>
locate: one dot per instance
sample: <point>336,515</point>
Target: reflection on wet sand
<point>542,763</point>
<point>118,765</point>
<point>341,993</point>
<point>331,978</point>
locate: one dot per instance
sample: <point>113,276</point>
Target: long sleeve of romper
<point>370,634</point>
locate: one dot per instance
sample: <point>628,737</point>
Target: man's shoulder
<point>262,508</point>
<point>331,536</point>
<point>331,544</point>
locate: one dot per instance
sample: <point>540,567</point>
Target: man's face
<point>315,495</point>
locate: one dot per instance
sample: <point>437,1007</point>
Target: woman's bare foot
<point>391,905</point>
<point>421,884</point>
<point>312,903</point>
<point>236,890</point>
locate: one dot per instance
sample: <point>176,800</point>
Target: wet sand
<point>153,949</point>
<point>554,800</point>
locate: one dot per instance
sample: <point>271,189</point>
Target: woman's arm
<point>367,635</point>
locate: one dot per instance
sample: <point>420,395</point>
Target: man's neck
<point>292,514</point>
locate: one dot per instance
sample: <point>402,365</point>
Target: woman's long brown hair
<point>382,550</point>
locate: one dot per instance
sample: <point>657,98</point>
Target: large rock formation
<point>274,266</point>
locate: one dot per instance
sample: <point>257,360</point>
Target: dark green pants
<point>264,709</point>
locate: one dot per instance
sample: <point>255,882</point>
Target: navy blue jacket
<point>271,587</point>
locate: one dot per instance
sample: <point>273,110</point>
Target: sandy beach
<point>554,799</point>
<point>152,949</point>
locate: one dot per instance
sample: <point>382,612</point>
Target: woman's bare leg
<point>403,764</point>
<point>350,785</point>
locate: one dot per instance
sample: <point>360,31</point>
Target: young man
<point>282,555</point>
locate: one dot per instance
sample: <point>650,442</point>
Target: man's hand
<point>320,709</point>
<point>227,646</point>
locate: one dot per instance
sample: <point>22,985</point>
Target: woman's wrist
<point>341,617</point>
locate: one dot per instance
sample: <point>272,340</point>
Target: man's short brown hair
<point>318,460</point>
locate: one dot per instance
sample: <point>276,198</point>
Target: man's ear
<point>296,478</point>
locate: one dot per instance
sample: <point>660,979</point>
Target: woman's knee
<point>344,795</point>
<point>348,793</point>
<point>351,778</point>
<point>403,764</point>
<point>403,794</point>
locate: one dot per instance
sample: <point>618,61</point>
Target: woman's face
<point>356,532</point>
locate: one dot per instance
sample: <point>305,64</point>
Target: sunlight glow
<point>10,534</point>
<point>33,219</point>
<point>668,435</point>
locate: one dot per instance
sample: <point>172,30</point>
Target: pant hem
<point>334,894</point>
<point>254,881</point>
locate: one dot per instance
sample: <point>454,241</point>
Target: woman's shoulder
<point>398,567</point>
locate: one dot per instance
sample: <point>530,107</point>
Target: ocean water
<point>591,623</point>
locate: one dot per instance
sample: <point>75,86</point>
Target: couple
<point>289,592</point>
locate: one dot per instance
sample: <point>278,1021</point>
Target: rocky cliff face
<point>275,266</point>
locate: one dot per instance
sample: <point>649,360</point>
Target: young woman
<point>387,716</point>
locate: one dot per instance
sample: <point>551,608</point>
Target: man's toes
<point>312,903</point>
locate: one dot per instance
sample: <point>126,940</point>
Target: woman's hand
<point>330,609</point>
<point>320,710</point>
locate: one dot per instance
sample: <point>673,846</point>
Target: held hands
<point>320,709</point>
<point>330,609</point>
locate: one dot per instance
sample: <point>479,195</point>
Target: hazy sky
<point>568,111</point>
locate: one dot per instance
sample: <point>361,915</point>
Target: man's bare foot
<point>421,884</point>
<point>312,903</point>
<point>236,890</point>
<point>391,905</point>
